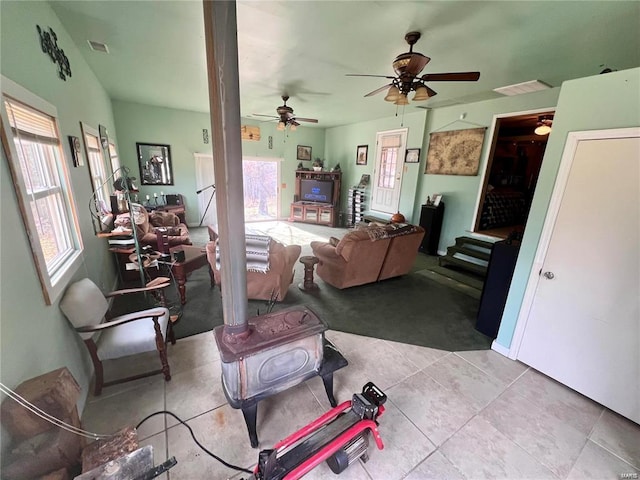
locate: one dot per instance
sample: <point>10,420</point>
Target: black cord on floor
<point>226,464</point>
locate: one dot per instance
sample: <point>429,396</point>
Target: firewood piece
<point>55,392</point>
<point>49,451</point>
<point>103,451</point>
<point>61,474</point>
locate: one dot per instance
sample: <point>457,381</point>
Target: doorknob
<point>548,275</point>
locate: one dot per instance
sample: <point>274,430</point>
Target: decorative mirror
<point>154,161</point>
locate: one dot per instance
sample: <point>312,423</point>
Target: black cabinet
<point>431,220</point>
<point>502,263</point>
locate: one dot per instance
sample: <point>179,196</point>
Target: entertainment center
<point>316,198</point>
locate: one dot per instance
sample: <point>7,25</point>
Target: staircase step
<point>461,241</point>
<point>460,263</point>
<point>469,252</point>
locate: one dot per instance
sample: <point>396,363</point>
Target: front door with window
<point>390,148</point>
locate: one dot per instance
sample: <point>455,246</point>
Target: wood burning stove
<point>280,350</point>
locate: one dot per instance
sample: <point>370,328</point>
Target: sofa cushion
<point>164,219</point>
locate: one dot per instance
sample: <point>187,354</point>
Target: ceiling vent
<point>98,47</point>
<point>524,87</point>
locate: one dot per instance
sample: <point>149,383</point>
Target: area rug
<point>410,309</point>
<point>420,308</point>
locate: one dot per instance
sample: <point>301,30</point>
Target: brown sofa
<point>149,224</point>
<point>368,255</point>
<point>275,282</point>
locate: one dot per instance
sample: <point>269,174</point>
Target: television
<point>320,191</point>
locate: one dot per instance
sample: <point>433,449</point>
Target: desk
<point>195,257</point>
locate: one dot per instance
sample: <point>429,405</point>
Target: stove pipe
<point>224,99</point>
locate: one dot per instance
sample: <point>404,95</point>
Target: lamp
<point>402,100</point>
<point>544,125</point>
<point>421,94</point>
<point>280,126</point>
<point>293,127</point>
<point>392,94</point>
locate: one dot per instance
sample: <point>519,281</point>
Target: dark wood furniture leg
<point>182,289</point>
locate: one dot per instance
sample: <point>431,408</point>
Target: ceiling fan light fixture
<point>402,100</point>
<point>544,125</point>
<point>392,94</point>
<point>280,126</point>
<point>421,95</point>
<point>292,127</point>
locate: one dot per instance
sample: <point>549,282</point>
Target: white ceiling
<point>305,48</point>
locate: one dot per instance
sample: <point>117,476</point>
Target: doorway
<point>387,183</point>
<point>511,175</point>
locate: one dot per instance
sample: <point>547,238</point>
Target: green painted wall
<point>36,338</point>
<point>182,130</point>
<point>460,193</point>
<point>342,142</point>
<point>592,103</point>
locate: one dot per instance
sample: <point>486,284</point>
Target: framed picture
<point>412,156</point>
<point>154,160</point>
<point>76,151</point>
<point>361,154</point>
<point>455,152</point>
<point>303,152</point>
<point>435,200</point>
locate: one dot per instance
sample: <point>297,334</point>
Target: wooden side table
<point>195,257</point>
<point>308,285</point>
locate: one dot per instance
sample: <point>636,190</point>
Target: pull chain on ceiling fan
<point>408,67</point>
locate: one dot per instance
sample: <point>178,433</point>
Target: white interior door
<point>387,179</point>
<point>204,181</point>
<point>583,325</point>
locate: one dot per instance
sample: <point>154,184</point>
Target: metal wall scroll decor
<point>49,44</point>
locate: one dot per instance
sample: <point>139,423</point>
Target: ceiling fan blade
<point>362,75</point>
<point>378,90</point>
<point>451,77</point>
<point>310,120</point>
<point>261,115</point>
<point>416,64</point>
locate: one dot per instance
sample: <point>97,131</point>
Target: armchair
<point>86,307</point>
<point>270,285</point>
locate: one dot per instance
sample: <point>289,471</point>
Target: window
<point>389,161</point>
<point>40,177</point>
<point>115,160</point>
<point>97,168</point>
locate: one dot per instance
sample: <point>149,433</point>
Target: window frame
<point>53,284</point>
<point>103,174</point>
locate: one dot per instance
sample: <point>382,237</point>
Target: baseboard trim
<point>496,347</point>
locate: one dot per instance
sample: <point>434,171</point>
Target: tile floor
<point>466,415</point>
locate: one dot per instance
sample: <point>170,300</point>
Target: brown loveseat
<point>368,254</point>
<point>149,224</point>
<point>272,284</point>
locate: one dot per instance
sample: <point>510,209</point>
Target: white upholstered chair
<point>85,306</point>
